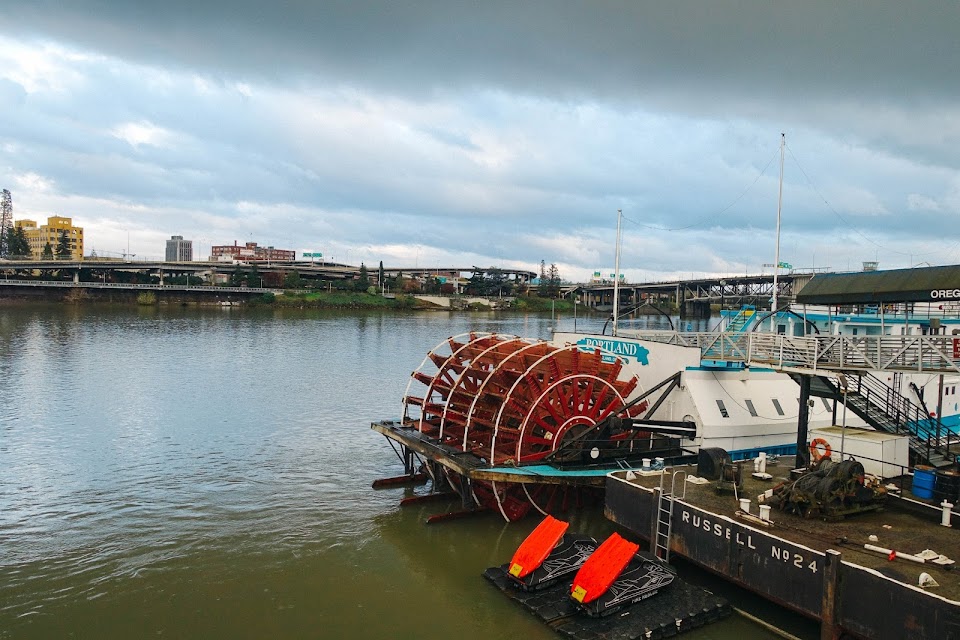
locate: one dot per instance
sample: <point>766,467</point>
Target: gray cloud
<point>500,131</point>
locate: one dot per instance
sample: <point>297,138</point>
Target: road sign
<point>312,255</point>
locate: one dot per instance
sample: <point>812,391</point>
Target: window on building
<point>776,405</point>
<point>751,408</point>
<point>723,409</point>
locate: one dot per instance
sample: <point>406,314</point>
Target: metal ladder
<point>661,542</point>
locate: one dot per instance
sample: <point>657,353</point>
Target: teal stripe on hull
<point>546,471</point>
<point>778,450</point>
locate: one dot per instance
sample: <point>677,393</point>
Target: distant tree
<point>380,275</point>
<point>20,247</point>
<point>476,284</point>
<point>9,239</point>
<point>63,246</point>
<point>432,285</point>
<point>553,281</point>
<point>47,252</point>
<point>292,280</point>
<point>544,287</point>
<point>497,282</point>
<point>363,283</point>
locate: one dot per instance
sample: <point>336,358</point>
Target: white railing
<point>933,354</point>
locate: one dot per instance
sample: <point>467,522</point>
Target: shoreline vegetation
<point>344,300</point>
<point>354,300</point>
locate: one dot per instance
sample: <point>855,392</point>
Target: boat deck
<point>904,524</point>
<point>471,466</point>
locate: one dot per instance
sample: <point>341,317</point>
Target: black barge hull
<point>847,597</point>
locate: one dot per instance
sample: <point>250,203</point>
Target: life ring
<point>819,448</point>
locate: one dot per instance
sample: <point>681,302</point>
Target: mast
<point>776,262</point>
<point>616,276</point>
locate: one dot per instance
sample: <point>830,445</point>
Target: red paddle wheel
<point>512,401</point>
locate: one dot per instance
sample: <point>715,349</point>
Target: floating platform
<point>677,609</point>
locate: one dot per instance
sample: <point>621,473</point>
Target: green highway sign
<point>312,255</point>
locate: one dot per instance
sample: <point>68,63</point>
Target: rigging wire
<point>857,231</point>
<point>711,216</point>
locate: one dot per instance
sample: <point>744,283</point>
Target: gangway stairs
<point>664,523</point>
<point>737,325</point>
<point>886,409</point>
<point>742,320</point>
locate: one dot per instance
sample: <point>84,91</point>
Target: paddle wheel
<point>511,401</point>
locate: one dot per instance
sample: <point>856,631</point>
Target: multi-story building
<point>179,250</point>
<point>250,251</point>
<point>40,236</point>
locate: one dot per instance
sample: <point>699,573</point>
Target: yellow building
<point>38,237</point>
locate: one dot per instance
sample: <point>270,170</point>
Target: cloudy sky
<point>492,133</point>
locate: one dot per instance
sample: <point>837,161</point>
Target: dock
<point>679,608</point>
<point>819,568</point>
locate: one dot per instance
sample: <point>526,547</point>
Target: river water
<point>205,473</point>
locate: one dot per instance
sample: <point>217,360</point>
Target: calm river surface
<point>195,473</point>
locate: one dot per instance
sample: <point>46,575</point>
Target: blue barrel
<point>923,481</point>
<point>946,486</point>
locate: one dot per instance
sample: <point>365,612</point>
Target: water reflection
<point>204,473</point>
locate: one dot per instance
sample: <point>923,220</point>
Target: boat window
<point>751,408</point>
<point>826,403</point>
<point>776,405</point>
<point>723,409</point>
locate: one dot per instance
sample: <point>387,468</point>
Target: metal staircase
<point>661,541</point>
<point>741,321</point>
<point>886,409</point>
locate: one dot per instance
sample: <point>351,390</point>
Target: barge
<point>867,575</point>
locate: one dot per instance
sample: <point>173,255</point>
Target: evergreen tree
<point>543,288</point>
<point>364,282</point>
<point>553,281</point>
<point>380,275</point>
<point>63,247</point>
<point>47,252</point>
<point>20,246</point>
<point>476,285</point>
<point>9,238</point>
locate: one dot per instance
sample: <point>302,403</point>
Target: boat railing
<point>930,353</point>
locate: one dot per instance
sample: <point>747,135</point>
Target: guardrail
<point>132,286</point>
<point>931,354</point>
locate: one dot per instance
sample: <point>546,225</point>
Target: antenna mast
<point>776,262</point>
<point>616,276</point>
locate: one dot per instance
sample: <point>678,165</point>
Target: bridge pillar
<point>76,277</point>
<point>695,309</point>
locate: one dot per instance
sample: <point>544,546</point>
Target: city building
<point>50,233</point>
<point>250,251</point>
<point>179,250</point>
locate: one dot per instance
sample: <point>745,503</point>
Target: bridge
<point>161,270</point>
<point>693,297</point>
